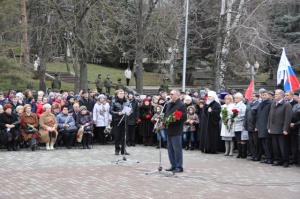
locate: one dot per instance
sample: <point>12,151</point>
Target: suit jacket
<point>262,117</point>
<point>176,128</point>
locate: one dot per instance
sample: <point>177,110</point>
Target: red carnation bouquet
<point>235,113</point>
<point>173,118</point>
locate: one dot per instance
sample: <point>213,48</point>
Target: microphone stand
<point>160,169</point>
<point>124,159</point>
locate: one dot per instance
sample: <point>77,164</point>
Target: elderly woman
<point>48,128</point>
<point>85,120</point>
<point>19,110</point>
<point>101,117</point>
<point>10,126</point>
<point>29,123</point>
<point>238,125</point>
<point>227,132</point>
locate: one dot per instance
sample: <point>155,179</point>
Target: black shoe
<point>69,147</point>
<point>285,165</point>
<point>177,170</point>
<point>269,162</point>
<point>264,161</point>
<point>256,159</point>
<point>117,152</point>
<point>126,153</point>
<point>276,164</point>
<point>250,159</point>
<point>238,156</point>
<point>157,147</point>
<point>170,169</point>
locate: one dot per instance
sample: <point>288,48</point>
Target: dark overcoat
<point>262,117</point>
<point>175,128</point>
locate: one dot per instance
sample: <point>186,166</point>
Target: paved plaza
<point>79,173</point>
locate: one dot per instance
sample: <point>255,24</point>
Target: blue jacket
<point>61,119</point>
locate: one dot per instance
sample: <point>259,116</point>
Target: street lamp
<point>253,69</point>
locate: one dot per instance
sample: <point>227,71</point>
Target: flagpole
<point>185,46</point>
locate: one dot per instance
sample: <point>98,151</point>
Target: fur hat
<point>191,107</point>
<point>54,106</point>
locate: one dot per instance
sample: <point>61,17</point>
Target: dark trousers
<point>267,145</point>
<point>255,144</point>
<point>107,90</point>
<point>293,143</point>
<point>130,135</point>
<point>280,147</point>
<point>99,90</point>
<point>86,139</point>
<point>69,138</point>
<point>99,131</point>
<point>127,81</point>
<point>119,133</point>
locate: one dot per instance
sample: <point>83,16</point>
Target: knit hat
<point>101,96</point>
<point>84,91</point>
<point>136,94</point>
<point>202,92</point>
<point>76,97</point>
<point>99,75</point>
<point>146,100</point>
<point>51,94</point>
<point>69,97</point>
<point>130,93</point>
<point>82,108</point>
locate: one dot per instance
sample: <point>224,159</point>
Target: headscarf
<point>214,95</point>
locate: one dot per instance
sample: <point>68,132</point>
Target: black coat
<point>250,116</point>
<point>146,126</point>
<point>176,128</point>
<point>116,106</point>
<point>8,119</point>
<point>262,117</point>
<point>209,129</point>
<point>134,116</point>
<point>89,103</point>
<point>296,119</point>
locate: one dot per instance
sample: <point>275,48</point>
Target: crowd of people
<point>264,129</point>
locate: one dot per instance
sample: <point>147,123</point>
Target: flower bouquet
<point>173,118</point>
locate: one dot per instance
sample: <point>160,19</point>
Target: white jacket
<point>101,114</point>
<point>127,74</point>
<point>224,131</point>
<point>239,120</point>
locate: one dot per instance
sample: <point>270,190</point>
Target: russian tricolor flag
<point>286,73</point>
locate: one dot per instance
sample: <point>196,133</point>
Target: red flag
<point>249,90</point>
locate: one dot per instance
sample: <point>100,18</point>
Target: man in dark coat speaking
<point>174,132</point>
<point>209,129</point>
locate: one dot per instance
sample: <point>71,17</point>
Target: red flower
<point>147,116</point>
<point>177,115</point>
<point>51,121</point>
<point>22,122</point>
<point>139,120</point>
<point>235,111</point>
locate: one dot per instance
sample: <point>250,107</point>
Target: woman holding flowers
<point>238,125</point>
<point>48,128</point>
<point>227,132</point>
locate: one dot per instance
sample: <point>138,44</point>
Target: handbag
<point>29,131</point>
<point>71,129</point>
<point>244,135</point>
<point>80,134</point>
<point>88,128</point>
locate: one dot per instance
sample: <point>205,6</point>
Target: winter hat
<point>84,91</point>
<point>202,92</point>
<point>146,100</point>
<point>54,106</point>
<point>69,97</point>
<point>191,107</point>
<point>82,108</point>
<point>76,97</point>
<point>136,94</point>
<point>101,96</point>
<point>51,94</point>
<point>40,93</point>
<point>130,93</point>
<point>20,95</point>
<point>99,75</point>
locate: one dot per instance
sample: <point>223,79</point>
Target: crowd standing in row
<point>265,128</point>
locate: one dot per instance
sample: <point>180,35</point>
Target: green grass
<point>150,79</point>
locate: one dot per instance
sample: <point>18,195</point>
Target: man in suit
<point>249,125</point>
<point>174,132</point>
<point>280,117</point>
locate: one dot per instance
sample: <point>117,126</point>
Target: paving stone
<point>79,173</point>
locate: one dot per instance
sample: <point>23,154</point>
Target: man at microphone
<point>174,132</point>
